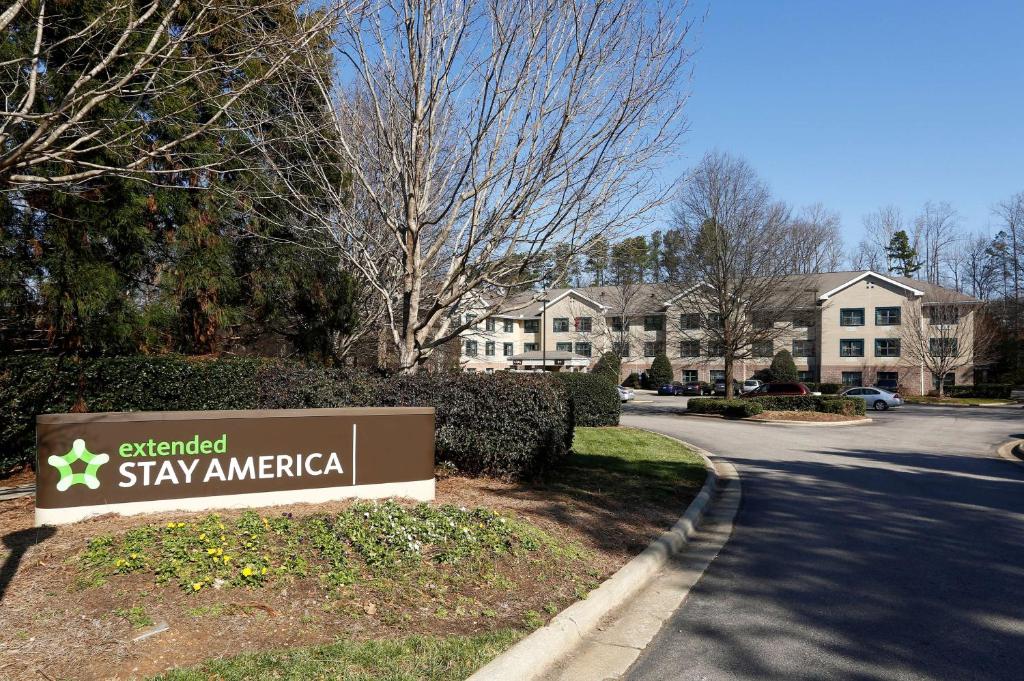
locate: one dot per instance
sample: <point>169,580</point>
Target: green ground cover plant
<point>366,540</point>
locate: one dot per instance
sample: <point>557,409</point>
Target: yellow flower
<point>221,525</point>
<point>247,571</point>
<point>135,555</point>
<point>170,524</point>
<point>202,536</point>
<point>263,571</point>
<point>220,552</point>
<point>210,552</point>
<point>181,524</point>
<point>226,558</point>
<point>197,586</point>
<point>222,538</point>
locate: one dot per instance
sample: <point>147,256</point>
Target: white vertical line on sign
<point>353,454</point>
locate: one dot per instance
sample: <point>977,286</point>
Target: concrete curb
<point>532,657</point>
<point>815,424</point>
<point>968,406</point>
<point>1012,451</point>
<point>15,492</point>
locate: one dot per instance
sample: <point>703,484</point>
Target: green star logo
<point>68,477</point>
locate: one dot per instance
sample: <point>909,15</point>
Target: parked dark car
<point>779,390</point>
<point>697,388</point>
<point>675,388</point>
<point>719,388</point>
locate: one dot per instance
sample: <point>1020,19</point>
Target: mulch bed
<point>54,628</point>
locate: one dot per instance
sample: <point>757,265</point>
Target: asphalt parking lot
<point>891,550</point>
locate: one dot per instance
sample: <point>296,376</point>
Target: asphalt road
<point>893,550</point>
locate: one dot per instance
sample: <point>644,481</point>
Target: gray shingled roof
<point>651,298</point>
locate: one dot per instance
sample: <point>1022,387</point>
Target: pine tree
<point>902,257</point>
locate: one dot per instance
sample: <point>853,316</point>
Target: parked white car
<point>625,394</point>
<point>750,384</point>
<point>875,398</point>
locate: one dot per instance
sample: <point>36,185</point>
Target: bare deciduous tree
<point>879,228</point>
<point>88,93</point>
<point>477,134</point>
<point>817,241</point>
<point>1011,213</point>
<point>946,334</point>
<point>936,229</point>
<point>740,253</point>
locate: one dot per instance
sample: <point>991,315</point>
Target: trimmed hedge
<point>755,405</point>
<point>825,388</point>
<point>506,425</point>
<point>735,408</point>
<point>822,403</point>
<point>988,390</point>
<point>593,399</point>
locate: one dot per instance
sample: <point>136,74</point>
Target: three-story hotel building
<point>846,329</point>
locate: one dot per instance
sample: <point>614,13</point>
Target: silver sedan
<point>875,398</point>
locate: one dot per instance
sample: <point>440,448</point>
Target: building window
<point>471,348</point>
<point>942,347</point>
<point>887,316</point>
<point>887,347</point>
<point>803,320</point>
<point>716,349</point>
<point>469,318</point>
<point>616,323</point>
<point>689,321</point>
<point>583,349</point>
<point>621,349</point>
<point>715,321</point>
<point>803,348</point>
<point>563,347</point>
<point>851,316</point>
<point>654,322</point>
<point>689,348</point>
<point>805,376</point>
<point>531,347</point>
<point>652,348</point>
<point>944,315</point>
<point>948,381</point>
<point>489,348</point>
<point>717,375</point>
<point>531,326</point>
<point>851,347</point>
<point>508,349</point>
<point>689,375</point>
<point>560,324</point>
<point>584,324</point>
<point>762,320</point>
<point>489,324</point>
<point>853,378</point>
<point>509,326</point>
<point>761,349</point>
<point>888,376</point>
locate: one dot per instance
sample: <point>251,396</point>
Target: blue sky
<point>861,104</point>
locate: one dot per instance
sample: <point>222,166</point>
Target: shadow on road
<point>888,565</point>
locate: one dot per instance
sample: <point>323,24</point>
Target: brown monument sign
<point>155,461</point>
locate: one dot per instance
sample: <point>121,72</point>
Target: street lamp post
<point>543,332</point>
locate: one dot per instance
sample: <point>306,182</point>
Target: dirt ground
<point>53,628</point>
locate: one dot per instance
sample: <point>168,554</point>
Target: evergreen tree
<point>660,372</point>
<point>597,261</point>
<point>608,365</point>
<point>902,257</point>
<point>783,368</point>
<point>654,257</point>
